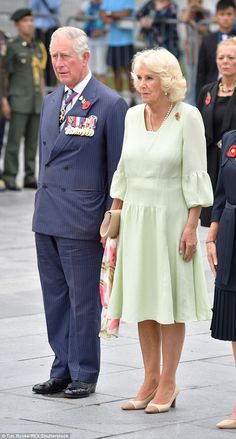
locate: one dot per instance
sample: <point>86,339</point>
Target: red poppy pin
<point>208,98</point>
<point>232,151</point>
<point>177,116</point>
<point>85,105</point>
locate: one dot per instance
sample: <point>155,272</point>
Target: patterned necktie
<point>66,106</point>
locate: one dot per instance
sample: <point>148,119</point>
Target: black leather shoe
<point>54,385</point>
<point>32,185</point>
<point>78,389</point>
<point>12,186</point>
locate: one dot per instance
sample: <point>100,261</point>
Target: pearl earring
<point>166,93</point>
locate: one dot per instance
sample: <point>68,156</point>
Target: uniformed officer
<point>3,80</point>
<point>26,61</point>
<point>3,86</point>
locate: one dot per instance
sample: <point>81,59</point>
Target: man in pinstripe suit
<point>81,134</point>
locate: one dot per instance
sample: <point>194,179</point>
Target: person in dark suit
<point>221,252</point>
<point>81,135</point>
<point>207,70</point>
<point>217,104</point>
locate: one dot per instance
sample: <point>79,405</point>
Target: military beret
<point>20,13</point>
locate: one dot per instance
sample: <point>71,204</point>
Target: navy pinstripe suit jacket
<point>75,172</point>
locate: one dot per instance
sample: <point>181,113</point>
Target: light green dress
<point>160,176</point>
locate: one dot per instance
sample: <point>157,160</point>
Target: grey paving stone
<point>206,374</point>
<point>177,431</point>
<point>24,426</point>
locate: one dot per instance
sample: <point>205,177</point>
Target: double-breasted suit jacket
<point>224,212</point>
<point>206,104</point>
<point>75,173</point>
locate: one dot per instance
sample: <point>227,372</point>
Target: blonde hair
<point>166,66</point>
<point>228,42</point>
<point>78,37</point>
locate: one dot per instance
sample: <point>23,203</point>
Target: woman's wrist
<point>209,241</point>
<point>191,227</point>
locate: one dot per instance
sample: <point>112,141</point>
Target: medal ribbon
<point>70,94</point>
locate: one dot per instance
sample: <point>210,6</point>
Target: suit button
<point>44,143</point>
<point>47,165</point>
<point>45,185</point>
<point>66,168</point>
<point>63,189</point>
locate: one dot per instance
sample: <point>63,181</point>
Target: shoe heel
<point>173,405</point>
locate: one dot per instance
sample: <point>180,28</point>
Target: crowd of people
<point>97,153</point>
<point>111,27</point>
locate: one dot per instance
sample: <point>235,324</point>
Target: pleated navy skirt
<point>223,325</point>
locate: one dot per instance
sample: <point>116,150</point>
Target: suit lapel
<point>54,107</point>
<point>89,95</point>
<point>62,140</point>
<point>208,116</point>
<point>229,113</point>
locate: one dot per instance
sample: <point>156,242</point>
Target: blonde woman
<point>217,104</point>
<point>161,183</point>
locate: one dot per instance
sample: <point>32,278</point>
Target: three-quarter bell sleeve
<point>196,183</point>
<point>118,185</point>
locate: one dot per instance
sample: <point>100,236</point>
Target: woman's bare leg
<point>233,414</point>
<point>150,342</point>
<point>172,343</point>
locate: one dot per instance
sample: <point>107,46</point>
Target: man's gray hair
<point>78,36</point>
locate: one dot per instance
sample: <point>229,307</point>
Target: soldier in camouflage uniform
<point>3,86</point>
<point>3,79</point>
<point>26,61</point>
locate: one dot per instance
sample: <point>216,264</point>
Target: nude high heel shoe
<point>161,408</point>
<point>138,405</point>
<point>227,423</point>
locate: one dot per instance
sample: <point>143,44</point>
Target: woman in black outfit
<point>217,104</point>
<point>221,252</point>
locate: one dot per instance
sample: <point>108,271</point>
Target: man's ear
<point>86,57</point>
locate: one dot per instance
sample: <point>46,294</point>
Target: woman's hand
<point>116,204</point>
<point>188,243</point>
<point>6,109</point>
<point>212,256</point>
<point>211,246</point>
<point>103,241</point>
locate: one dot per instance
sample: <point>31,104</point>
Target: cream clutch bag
<point>111,224</point>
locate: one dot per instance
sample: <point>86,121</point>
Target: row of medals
<point>81,126</point>
<point>84,131</point>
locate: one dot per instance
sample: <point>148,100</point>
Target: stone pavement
<point>206,375</point>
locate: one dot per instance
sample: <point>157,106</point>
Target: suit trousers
<point>69,271</point>
<point>21,125</point>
